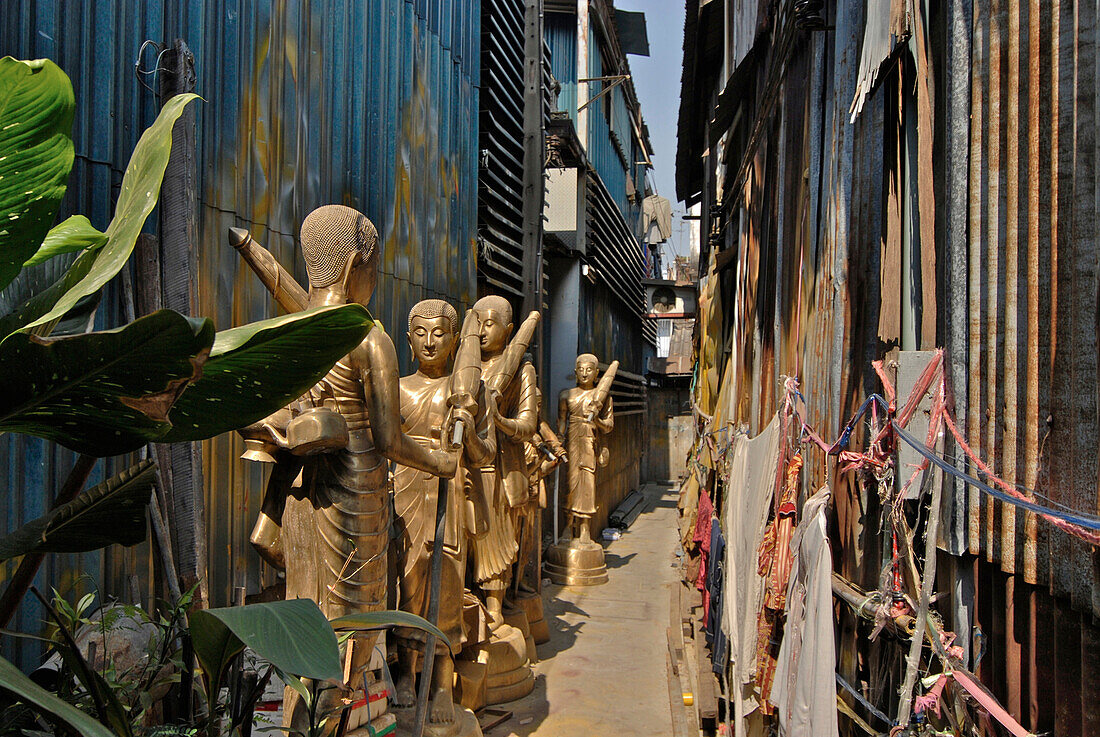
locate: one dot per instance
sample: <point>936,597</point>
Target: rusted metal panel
<point>372,104</point>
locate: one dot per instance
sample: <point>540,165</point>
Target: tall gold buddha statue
<point>516,419</point>
<point>512,382</point>
<point>428,411</point>
<point>584,413</point>
<point>331,481</point>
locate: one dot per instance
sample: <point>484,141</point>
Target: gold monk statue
<point>516,419</point>
<point>335,524</point>
<point>584,413</point>
<point>429,412</point>
<point>542,453</point>
<point>581,418</point>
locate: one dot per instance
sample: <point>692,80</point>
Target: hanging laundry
<point>805,692</point>
<point>750,497</point>
<point>702,539</point>
<point>715,581</point>
<point>775,566</point>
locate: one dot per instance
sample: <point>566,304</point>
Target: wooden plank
<point>706,693</point>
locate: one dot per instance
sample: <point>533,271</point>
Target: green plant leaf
<point>26,690</point>
<point>389,618</point>
<point>107,513</point>
<point>36,155</point>
<point>140,190</point>
<point>69,236</point>
<point>293,636</point>
<point>257,369</point>
<point>215,645</point>
<point>38,288</point>
<point>102,393</point>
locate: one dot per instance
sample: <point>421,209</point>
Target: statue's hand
<point>590,407</point>
<point>469,431</point>
<point>448,464</point>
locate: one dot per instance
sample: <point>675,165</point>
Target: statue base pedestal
<point>532,604</point>
<point>510,676</point>
<point>576,563</point>
<point>518,619</point>
<point>464,725</point>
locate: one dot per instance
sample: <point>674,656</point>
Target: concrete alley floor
<point>604,671</point>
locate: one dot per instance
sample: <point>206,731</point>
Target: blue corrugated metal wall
<point>561,37</point>
<point>372,103</point>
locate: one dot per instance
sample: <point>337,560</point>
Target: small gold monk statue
<point>428,412</point>
<point>584,413</point>
<point>335,525</point>
<point>505,475</point>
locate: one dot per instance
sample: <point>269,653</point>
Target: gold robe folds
<point>582,445</point>
<point>505,481</point>
<point>423,409</point>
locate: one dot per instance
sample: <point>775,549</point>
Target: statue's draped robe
<point>336,530</point>
<point>336,525</point>
<point>505,481</point>
<point>423,409</point>
<point>582,445</point>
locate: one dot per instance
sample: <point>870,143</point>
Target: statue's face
<point>431,340</point>
<point>362,279</point>
<point>494,332</point>
<point>586,374</point>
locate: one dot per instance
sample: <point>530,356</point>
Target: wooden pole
<point>178,274</point>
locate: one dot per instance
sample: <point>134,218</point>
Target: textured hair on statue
<point>330,235</point>
<point>495,302</point>
<point>430,309</point>
<point>590,358</point>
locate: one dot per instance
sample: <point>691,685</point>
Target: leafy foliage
<point>270,362</point>
<point>110,512</point>
<point>36,154</point>
<point>102,393</point>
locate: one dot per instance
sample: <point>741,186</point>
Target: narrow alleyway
<point>604,670</point>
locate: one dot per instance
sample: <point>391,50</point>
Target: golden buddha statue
<point>333,485</point>
<point>512,382</point>
<point>584,413</point>
<point>428,412</point>
<point>505,476</point>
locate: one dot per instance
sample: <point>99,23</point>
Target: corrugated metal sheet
<point>500,192</point>
<point>372,104</point>
<point>813,273</point>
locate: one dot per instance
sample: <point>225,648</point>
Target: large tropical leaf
<point>110,512</point>
<point>69,236</point>
<point>255,369</point>
<point>102,393</point>
<point>36,154</point>
<point>140,190</point>
<point>38,288</point>
<point>293,635</point>
<point>29,692</point>
<point>390,618</point>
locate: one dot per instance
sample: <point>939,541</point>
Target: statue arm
<point>523,425</point>
<point>605,422</point>
<point>481,445</point>
<point>376,360</point>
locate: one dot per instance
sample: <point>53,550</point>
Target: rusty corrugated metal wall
<point>829,256</point>
<point>372,104</point>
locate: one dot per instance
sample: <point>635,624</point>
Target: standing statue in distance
<point>584,413</point>
<point>431,406</point>
<point>326,510</point>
